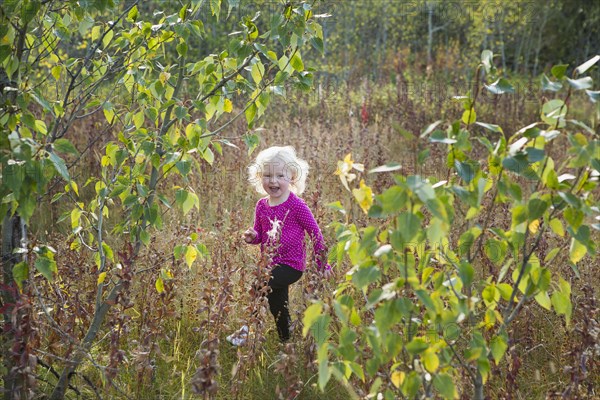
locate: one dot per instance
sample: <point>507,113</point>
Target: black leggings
<point>281,277</point>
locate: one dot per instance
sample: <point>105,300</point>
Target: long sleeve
<point>306,219</point>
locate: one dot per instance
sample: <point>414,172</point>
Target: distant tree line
<point>375,38</point>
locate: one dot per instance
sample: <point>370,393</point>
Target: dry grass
<point>159,346</point>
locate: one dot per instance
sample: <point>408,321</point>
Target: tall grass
<point>172,345</point>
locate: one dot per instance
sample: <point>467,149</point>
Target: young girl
<point>280,222</point>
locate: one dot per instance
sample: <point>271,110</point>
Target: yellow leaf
<point>534,226</point>
<point>469,116</point>
<point>75,216</point>
<point>164,77</point>
<point>75,187</point>
<point>430,360</point>
<point>227,106</point>
<point>138,119</point>
<point>557,227</point>
<point>344,168</point>
<point>398,378</point>
<point>190,255</point>
<point>577,251</point>
<point>101,277</point>
<point>364,196</point>
<point>159,285</point>
<point>56,70</point>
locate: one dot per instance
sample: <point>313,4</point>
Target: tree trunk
<point>478,387</point>
<point>14,235</point>
<point>500,28</point>
<point>538,47</point>
<point>429,36</point>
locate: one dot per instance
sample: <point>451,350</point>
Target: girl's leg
<point>281,277</point>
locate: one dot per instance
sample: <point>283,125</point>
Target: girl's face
<point>276,180</point>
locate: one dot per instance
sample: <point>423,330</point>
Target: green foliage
<point>164,111</point>
<point>431,310</point>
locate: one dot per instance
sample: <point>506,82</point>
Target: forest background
<point>136,301</point>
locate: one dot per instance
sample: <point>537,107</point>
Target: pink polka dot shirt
<point>284,225</point>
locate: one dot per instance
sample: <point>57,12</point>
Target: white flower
<point>273,233</point>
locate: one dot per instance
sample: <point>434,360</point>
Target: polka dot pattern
<point>285,226</point>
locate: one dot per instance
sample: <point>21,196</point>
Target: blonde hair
<point>296,167</point>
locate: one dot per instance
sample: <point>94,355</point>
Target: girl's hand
<point>250,235</point>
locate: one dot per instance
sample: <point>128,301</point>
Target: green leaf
<point>336,205</point>
<point>310,316</point>
<point>423,295</point>
<point>582,83</point>
<point>500,86</point>
<point>466,273</point>
<point>132,14</point>
<point>60,166</point>
<point>296,62</point>
<point>324,374</point>
<point>490,127</point>
<point>108,252</point>
<point>553,111</point>
<point>543,300</point>
<point>548,85</point>
<point>496,250</point>
<point>558,71</point>
<point>409,225</point>
<point>5,51</point>
<point>64,146</point>
<point>364,276</point>
<point>536,208</point>
<point>252,142</point>
<point>257,72</point>
<point>441,137</point>
<point>430,128</point>
<point>498,347</point>
<point>46,267</point>
<point>444,384</point>
<point>151,113</point>
<point>562,304</point>
<point>40,126</point>
<point>417,345</point>
<point>145,237</point>
<point>251,113</point>
<point>466,170</point>
<point>534,155</point>
<point>466,240</point>
<point>208,156</point>
<point>108,38</point>
<point>594,95</point>
<point>186,200</point>
<point>215,8</point>
<point>20,273</point>
<point>182,49</point>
